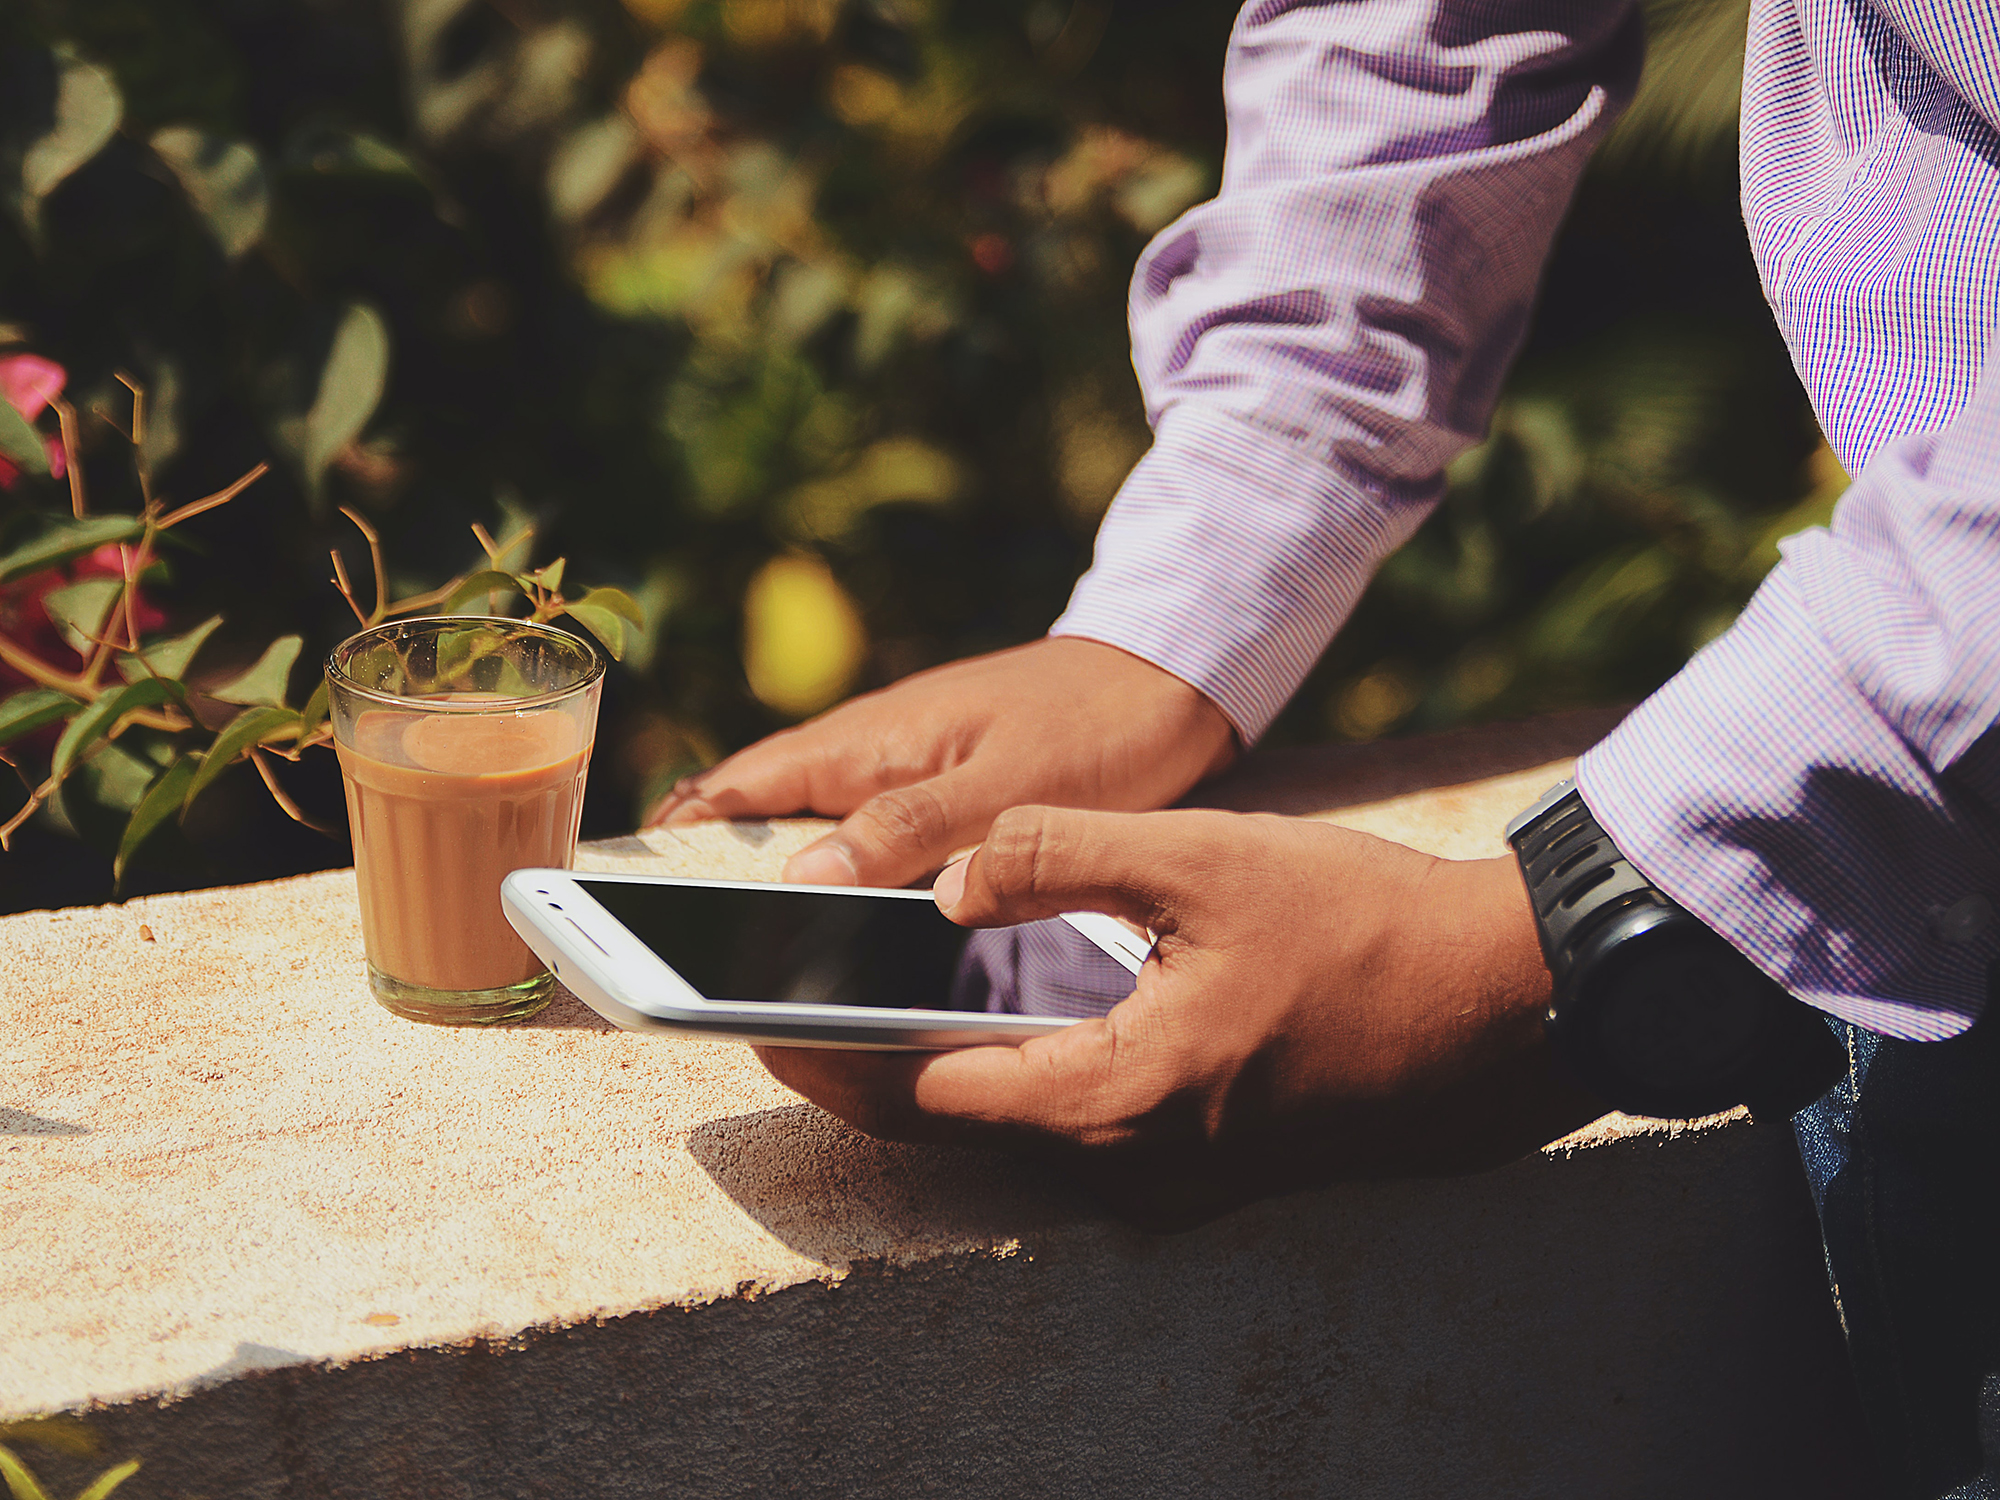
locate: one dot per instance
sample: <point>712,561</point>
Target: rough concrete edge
<point>1612,1130</point>
<point>754,1289</point>
<point>1614,1127</point>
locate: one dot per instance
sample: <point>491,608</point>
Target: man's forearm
<point>1822,784</point>
<point>1322,339</point>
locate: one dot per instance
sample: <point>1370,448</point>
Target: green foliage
<point>696,290</point>
<point>265,681</point>
<point>22,1484</point>
<point>86,111</point>
<point>20,443</point>
<point>350,386</point>
<point>1687,106</point>
<point>248,729</point>
<point>609,614</point>
<point>32,709</point>
<point>171,657</point>
<point>227,186</point>
<point>164,798</point>
<point>64,540</point>
<point>97,719</point>
<point>157,773</point>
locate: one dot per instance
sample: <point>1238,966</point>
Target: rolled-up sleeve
<point>1822,783</point>
<point>1319,341</point>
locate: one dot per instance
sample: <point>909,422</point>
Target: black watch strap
<point>1652,1010</point>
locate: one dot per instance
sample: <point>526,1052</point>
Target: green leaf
<point>20,442</point>
<point>251,727</point>
<point>66,540</point>
<point>461,650</point>
<point>29,710</point>
<point>331,150</point>
<point>88,109</point>
<point>161,439</point>
<point>79,609</point>
<point>479,586</point>
<point>168,658</point>
<point>224,181</point>
<point>350,387</point>
<point>550,577</point>
<point>64,1434</point>
<point>265,682</point>
<point>102,1486</point>
<point>20,1483</point>
<point>314,713</point>
<point>163,798</point>
<point>602,623</point>
<point>588,164</point>
<point>102,713</point>
<point>618,602</point>
<point>607,614</point>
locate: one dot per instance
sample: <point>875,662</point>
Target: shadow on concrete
<point>20,1122</point>
<point>566,1012</point>
<point>840,1197</point>
<point>247,1359</point>
<point>1319,778</point>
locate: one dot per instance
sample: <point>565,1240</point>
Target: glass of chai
<point>463,744</point>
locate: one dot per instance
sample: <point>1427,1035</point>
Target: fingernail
<point>950,885</point>
<point>823,864</point>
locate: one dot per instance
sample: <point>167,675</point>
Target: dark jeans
<point>1904,1160</point>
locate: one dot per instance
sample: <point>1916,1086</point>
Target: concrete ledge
<point>274,1241</point>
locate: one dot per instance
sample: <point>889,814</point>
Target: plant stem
<point>32,667</point>
<point>286,805</point>
<point>209,502</point>
<point>72,466</point>
<point>381,609</point>
<point>27,810</point>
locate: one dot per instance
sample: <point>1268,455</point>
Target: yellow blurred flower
<point>803,641</point>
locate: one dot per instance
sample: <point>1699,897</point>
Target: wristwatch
<point>1653,1011</point>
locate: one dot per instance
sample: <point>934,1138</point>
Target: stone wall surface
<point>277,1242</point>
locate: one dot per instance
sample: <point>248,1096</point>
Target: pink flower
<point>31,383</point>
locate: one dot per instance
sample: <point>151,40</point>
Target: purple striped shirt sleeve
<point>1321,339</point>
<point>1822,783</point>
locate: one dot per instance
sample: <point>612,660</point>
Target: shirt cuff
<point>1762,791</point>
<point>1230,558</point>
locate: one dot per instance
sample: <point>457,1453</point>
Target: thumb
<point>1041,861</point>
<point>900,835</point>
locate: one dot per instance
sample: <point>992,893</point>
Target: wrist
<point>1187,717</point>
<point>1500,947</point>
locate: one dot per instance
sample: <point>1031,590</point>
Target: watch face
<point>1681,1013</point>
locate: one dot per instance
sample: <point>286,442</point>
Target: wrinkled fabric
<point>1321,339</point>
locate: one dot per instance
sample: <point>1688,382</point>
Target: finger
<point>1052,1091</point>
<point>793,771</point>
<point>684,791</point>
<point>1038,862</point>
<point>871,1091</point>
<point>902,834</point>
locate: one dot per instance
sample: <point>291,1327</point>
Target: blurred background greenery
<point>803,320</point>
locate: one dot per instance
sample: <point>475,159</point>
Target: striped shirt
<point>1822,783</point>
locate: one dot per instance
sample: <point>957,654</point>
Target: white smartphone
<point>792,965</point>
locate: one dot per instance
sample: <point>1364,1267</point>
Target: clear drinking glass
<point>463,745</point>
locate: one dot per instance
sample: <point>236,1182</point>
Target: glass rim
<point>442,704</point>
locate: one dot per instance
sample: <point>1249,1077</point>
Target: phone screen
<point>800,947</point>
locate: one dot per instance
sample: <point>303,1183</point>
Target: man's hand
<point>1321,1004</point>
<point>922,768</point>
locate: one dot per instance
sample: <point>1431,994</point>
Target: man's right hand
<point>922,768</point>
